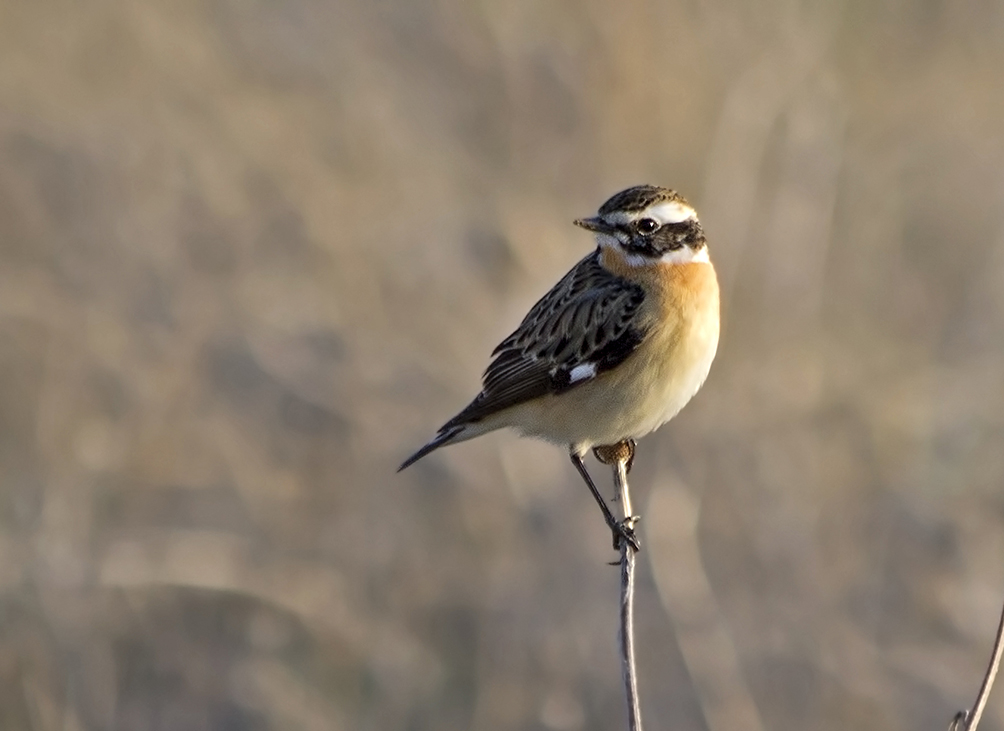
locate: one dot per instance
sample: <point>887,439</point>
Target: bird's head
<point>649,224</point>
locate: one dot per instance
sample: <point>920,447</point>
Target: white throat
<point>683,255</point>
<point>686,255</point>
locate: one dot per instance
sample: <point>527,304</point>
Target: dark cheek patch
<point>674,236</point>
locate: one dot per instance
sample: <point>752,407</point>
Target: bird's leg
<point>622,530</point>
<point>613,454</point>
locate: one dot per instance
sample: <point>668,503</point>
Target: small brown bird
<point>616,348</point>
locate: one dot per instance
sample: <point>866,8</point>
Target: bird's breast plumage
<point>680,315</point>
<point>618,346</point>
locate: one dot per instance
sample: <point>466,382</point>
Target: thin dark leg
<point>621,530</point>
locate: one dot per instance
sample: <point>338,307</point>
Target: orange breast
<point>671,290</point>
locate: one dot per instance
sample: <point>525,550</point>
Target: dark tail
<point>444,437</point>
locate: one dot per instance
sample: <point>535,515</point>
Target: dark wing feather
<point>587,318</point>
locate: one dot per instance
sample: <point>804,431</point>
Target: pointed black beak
<point>596,224</point>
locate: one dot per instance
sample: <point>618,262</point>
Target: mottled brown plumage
<point>587,318</point>
<point>616,348</point>
<point>638,198</point>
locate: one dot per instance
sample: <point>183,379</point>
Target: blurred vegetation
<point>254,253</point>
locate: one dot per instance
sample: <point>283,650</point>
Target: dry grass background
<point>253,253</point>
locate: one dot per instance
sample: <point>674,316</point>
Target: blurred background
<point>252,254</point>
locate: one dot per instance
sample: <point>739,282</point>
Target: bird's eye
<point>647,226</point>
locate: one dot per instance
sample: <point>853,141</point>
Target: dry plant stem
<point>969,720</point>
<point>628,555</point>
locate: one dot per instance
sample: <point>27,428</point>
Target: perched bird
<point>616,348</point>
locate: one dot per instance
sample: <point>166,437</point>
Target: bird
<point>615,349</point>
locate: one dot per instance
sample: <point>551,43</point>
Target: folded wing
<point>584,326</point>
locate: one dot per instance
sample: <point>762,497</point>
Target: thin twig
<point>628,670</point>
<point>969,720</point>
<point>621,456</point>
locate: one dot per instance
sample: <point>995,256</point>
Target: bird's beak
<point>596,224</point>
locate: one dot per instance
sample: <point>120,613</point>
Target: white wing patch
<point>582,372</point>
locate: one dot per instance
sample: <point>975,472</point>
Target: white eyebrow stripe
<point>669,212</point>
<point>582,372</point>
<point>664,212</point>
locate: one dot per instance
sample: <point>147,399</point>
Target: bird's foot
<point>614,453</point>
<point>623,530</point>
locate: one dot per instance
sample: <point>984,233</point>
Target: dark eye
<point>647,226</point>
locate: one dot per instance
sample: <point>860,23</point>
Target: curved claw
<point>624,531</point>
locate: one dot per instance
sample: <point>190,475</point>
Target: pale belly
<point>634,399</point>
